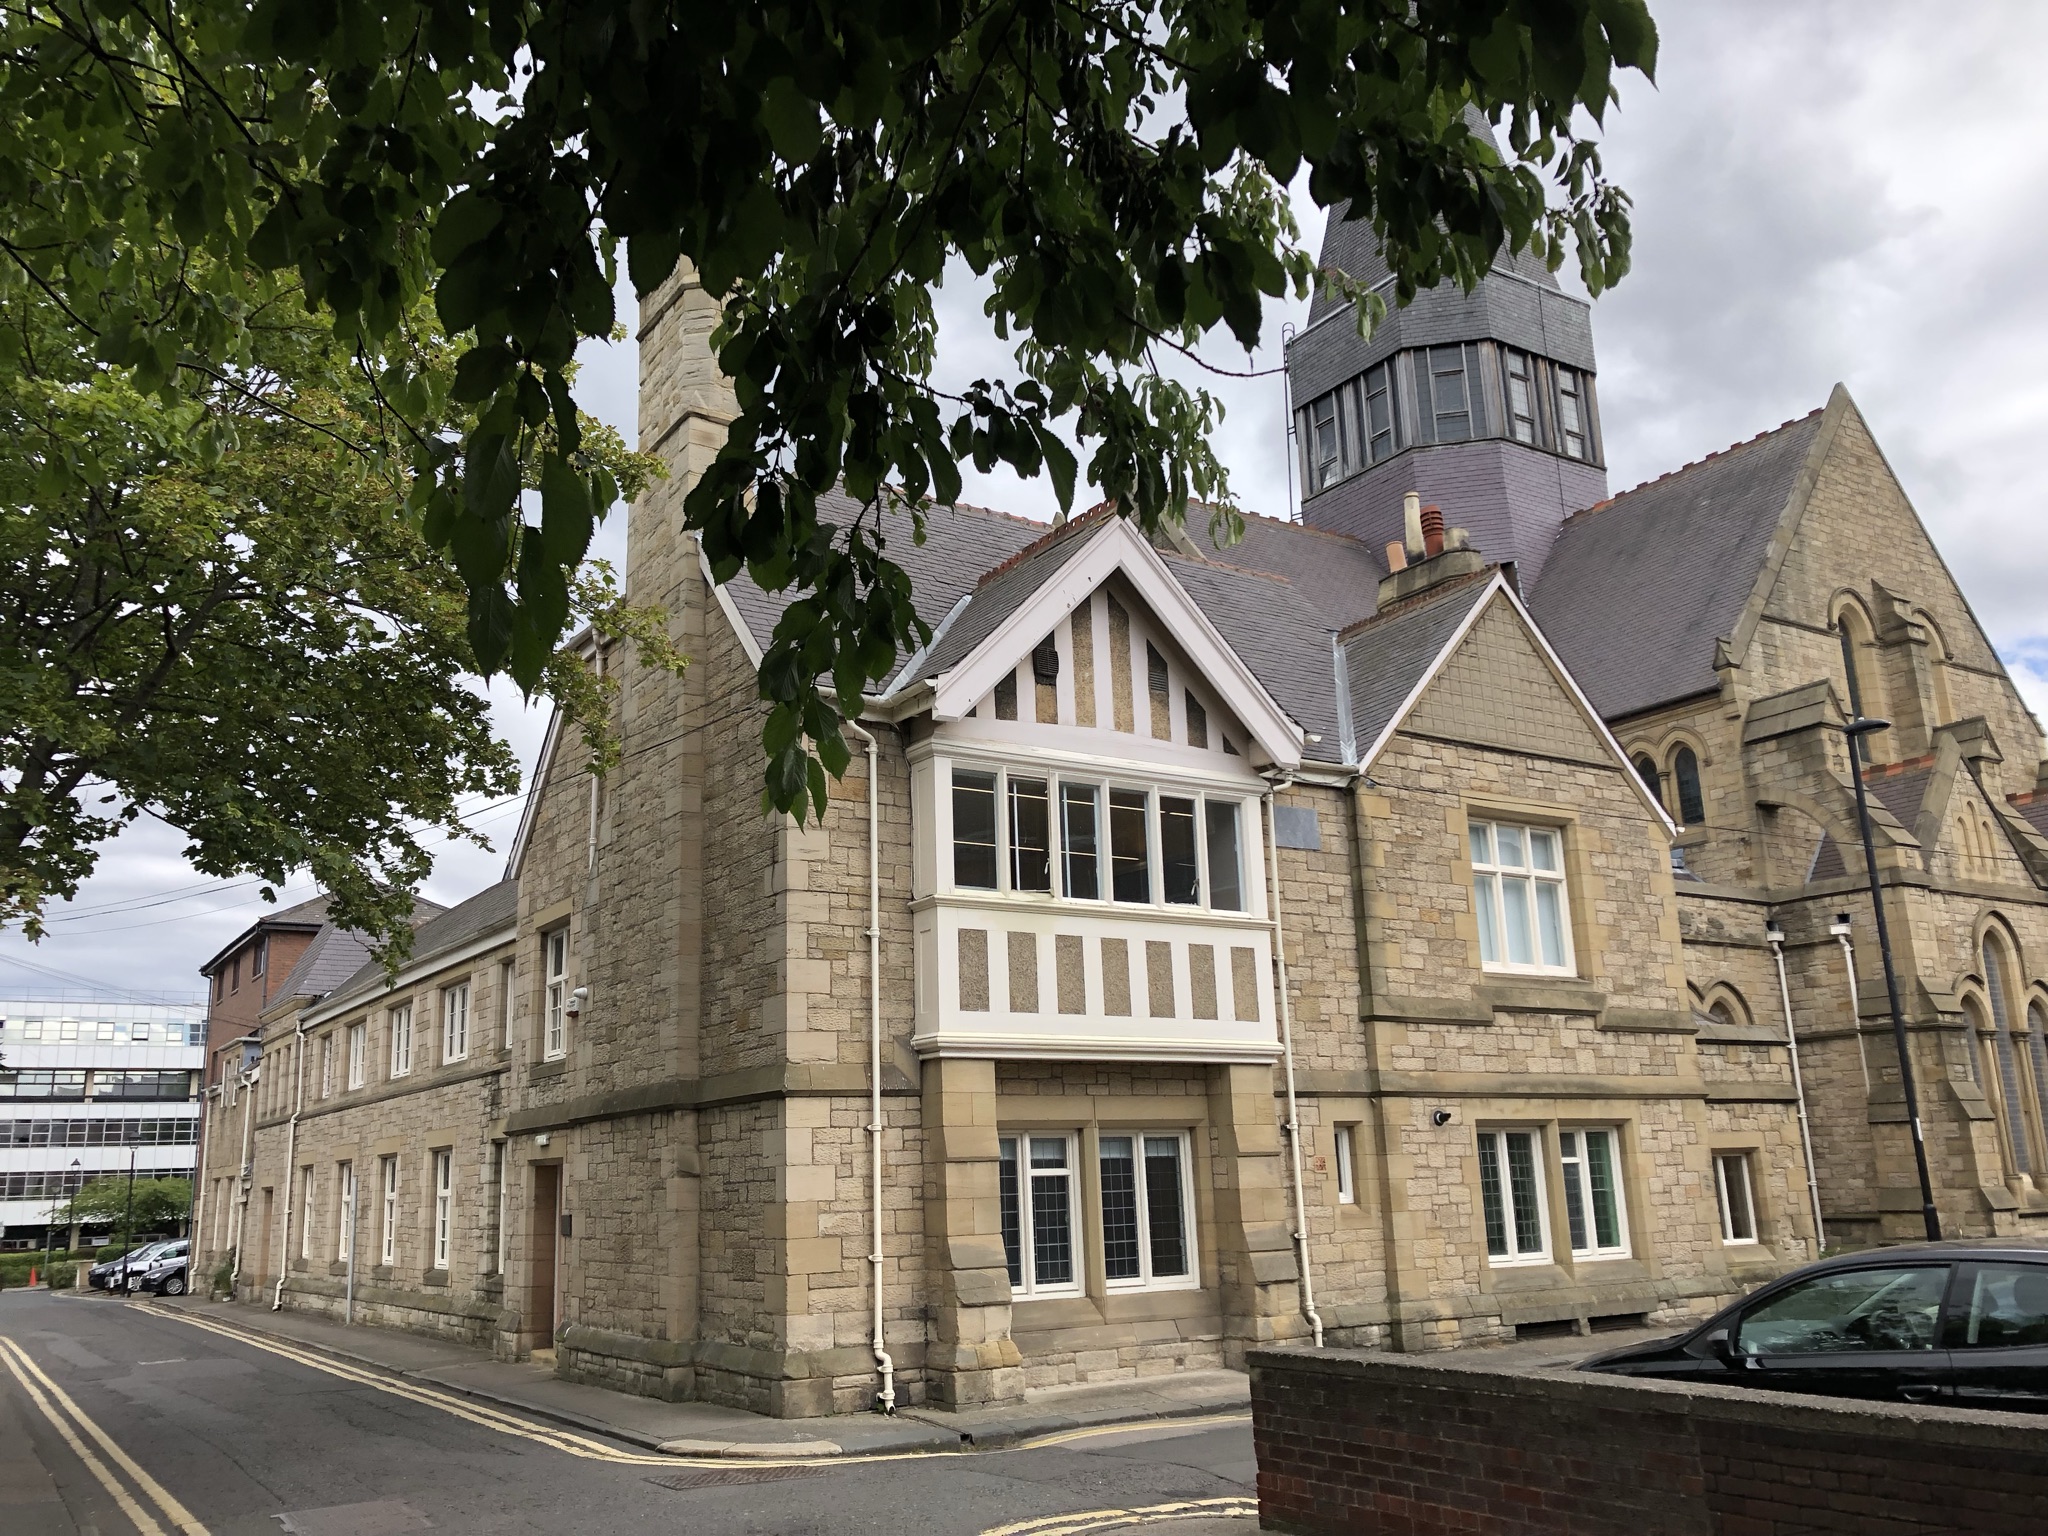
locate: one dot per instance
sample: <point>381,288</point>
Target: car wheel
<point>175,1286</point>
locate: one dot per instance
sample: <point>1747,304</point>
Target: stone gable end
<point>1498,690</point>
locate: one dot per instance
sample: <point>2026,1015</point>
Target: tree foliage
<point>215,609</point>
<point>159,1203</point>
<point>1115,170</point>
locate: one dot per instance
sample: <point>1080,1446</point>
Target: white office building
<point>86,1086</point>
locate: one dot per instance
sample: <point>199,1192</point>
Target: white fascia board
<point>1119,547</point>
<point>530,812</point>
<point>1436,665</point>
<point>334,1005</point>
<point>1586,707</point>
<point>730,609</point>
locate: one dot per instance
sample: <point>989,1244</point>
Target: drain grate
<point>721,1476</point>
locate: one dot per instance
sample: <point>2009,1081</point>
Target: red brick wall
<point>1397,1446</point>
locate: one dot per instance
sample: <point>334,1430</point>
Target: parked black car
<point>112,1274</point>
<point>1957,1323</point>
<point>166,1272</point>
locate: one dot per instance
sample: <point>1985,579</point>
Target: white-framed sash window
<point>555,1002</point>
<point>501,1192</point>
<point>1346,1153</point>
<point>344,1209</point>
<point>1147,1198</point>
<point>1511,1197</point>
<point>505,999</point>
<point>1039,1185</point>
<point>1737,1199</point>
<point>306,1212</point>
<point>388,1245</point>
<point>401,1040</point>
<point>1595,1218</point>
<point>327,1065</point>
<point>455,1022</point>
<point>1089,838</point>
<point>444,1206</point>
<point>1518,887</point>
<point>358,1053</point>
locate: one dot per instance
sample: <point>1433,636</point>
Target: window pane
<point>1482,843</point>
<point>1130,846</point>
<point>1600,1177</point>
<point>1574,1195</point>
<point>1119,1209</point>
<point>1163,1215</point>
<point>1738,1223</point>
<point>1052,1241</point>
<point>2008,1309</point>
<point>1685,772</point>
<point>1177,851</point>
<point>1487,900</point>
<point>1030,836</point>
<point>1013,1227</point>
<point>1509,842</point>
<point>1491,1200</point>
<point>1080,841</point>
<point>1515,918</point>
<point>1550,921</point>
<point>1543,849</point>
<point>1226,876</point>
<point>1521,1147</point>
<point>1853,1310</point>
<point>974,830</point>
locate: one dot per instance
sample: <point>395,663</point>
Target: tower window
<point>1520,394</point>
<point>1449,401</point>
<point>1381,440</point>
<point>1571,413</point>
<point>1325,444</point>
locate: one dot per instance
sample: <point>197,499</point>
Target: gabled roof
<point>1387,658</point>
<point>334,955</point>
<point>1639,588</point>
<point>492,910</point>
<point>305,916</point>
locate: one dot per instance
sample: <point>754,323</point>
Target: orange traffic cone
<point>31,1275</point>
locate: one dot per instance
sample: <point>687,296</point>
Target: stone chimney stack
<point>1430,555</point>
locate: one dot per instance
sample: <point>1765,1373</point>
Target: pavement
<point>706,1429</point>
<point>180,1420</point>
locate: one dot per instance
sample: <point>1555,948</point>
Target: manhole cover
<point>681,1481</point>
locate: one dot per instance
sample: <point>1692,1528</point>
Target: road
<point>118,1419</point>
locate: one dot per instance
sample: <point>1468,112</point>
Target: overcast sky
<point>1848,191</point>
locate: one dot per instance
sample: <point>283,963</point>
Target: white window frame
<point>358,1052</point>
<point>1493,1145</point>
<point>444,1206</point>
<point>554,949</point>
<point>500,1159</point>
<point>1145,1280</point>
<point>1575,1164</point>
<point>327,1065</point>
<point>1025,1285</point>
<point>344,1208</point>
<point>400,1020</point>
<point>1101,786</point>
<point>455,1022</point>
<point>388,1242</point>
<point>306,1212</point>
<point>1724,1206</point>
<point>505,1000</point>
<point>1342,1139</point>
<point>1490,879</point>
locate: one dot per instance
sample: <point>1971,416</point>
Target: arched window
<point>1937,672</point>
<point>2015,1113</point>
<point>1685,778</point>
<point>2037,1040</point>
<point>1646,770</point>
<point>1859,663</point>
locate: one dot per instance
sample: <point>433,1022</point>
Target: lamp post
<point>1855,730</point>
<point>128,1221</point>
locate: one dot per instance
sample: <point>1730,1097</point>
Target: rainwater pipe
<point>246,1080</point>
<point>291,1161</point>
<point>1776,936</point>
<point>1307,1287</point>
<point>1840,929</point>
<point>885,1400</point>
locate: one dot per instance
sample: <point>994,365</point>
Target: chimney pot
<point>1411,524</point>
<point>1397,557</point>
<point>1432,530</point>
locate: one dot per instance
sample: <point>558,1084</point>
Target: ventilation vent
<point>1619,1322</point>
<point>1561,1328</point>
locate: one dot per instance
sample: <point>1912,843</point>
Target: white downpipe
<point>245,1175</point>
<point>1841,933</point>
<point>885,1400</point>
<point>1820,1231</point>
<point>1307,1287</point>
<point>291,1160</point>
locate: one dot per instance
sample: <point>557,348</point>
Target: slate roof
<point>2032,805</point>
<point>1386,657</point>
<point>306,914</point>
<point>1005,589</point>
<point>492,908</point>
<point>1637,589</point>
<point>1276,632</point>
<point>336,955</point>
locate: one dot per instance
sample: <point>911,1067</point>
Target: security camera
<point>1440,1117</point>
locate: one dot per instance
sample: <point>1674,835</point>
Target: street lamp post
<point>1856,729</point>
<point>128,1220</point>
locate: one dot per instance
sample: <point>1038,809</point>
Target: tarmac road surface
<point>117,1419</point>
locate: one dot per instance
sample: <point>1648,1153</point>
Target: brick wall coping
<point>2012,1434</point>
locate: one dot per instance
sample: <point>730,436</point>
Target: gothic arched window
<point>1685,775</point>
<point>2015,1107</point>
<point>2037,1039</point>
<point>1646,770</point>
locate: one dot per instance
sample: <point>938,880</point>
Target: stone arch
<point>1644,761</point>
<point>1863,677</point>
<point>1941,704</point>
<point>1724,1002</point>
<point>1999,997</point>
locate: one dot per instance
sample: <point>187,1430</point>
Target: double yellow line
<point>55,1404</point>
<point>1084,1522</point>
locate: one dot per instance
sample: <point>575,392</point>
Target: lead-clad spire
<point>1484,402</point>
